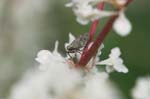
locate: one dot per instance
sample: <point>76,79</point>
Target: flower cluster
<point>114,62</point>
<point>57,79</point>
<point>86,11</point>
<point>64,78</point>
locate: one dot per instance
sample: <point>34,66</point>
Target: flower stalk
<point>89,53</point>
<point>93,28</point>
<point>95,23</point>
<point>93,49</point>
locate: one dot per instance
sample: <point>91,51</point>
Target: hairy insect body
<point>78,43</point>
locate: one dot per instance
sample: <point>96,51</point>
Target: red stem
<point>93,49</point>
<point>95,23</point>
<point>88,54</point>
<point>93,29</point>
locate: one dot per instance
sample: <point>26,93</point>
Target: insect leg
<point>70,55</point>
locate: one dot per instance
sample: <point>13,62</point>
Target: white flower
<point>85,11</point>
<point>55,82</point>
<point>62,81</point>
<point>114,62</point>
<point>142,88</point>
<point>45,57</point>
<point>122,25</point>
<point>85,14</point>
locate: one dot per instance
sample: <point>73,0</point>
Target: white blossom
<point>58,77</point>
<point>114,62</point>
<point>43,56</point>
<point>60,80</point>
<point>122,25</point>
<point>86,12</point>
<point>142,88</point>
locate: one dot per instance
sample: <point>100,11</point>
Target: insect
<point>77,44</point>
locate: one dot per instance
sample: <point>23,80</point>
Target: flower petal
<point>115,52</point>
<point>43,56</point>
<point>121,68</point>
<point>105,62</point>
<point>122,25</point>
<point>103,13</point>
<point>56,47</point>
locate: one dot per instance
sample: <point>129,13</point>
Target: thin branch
<point>93,29</point>
<point>88,54</point>
<point>86,57</point>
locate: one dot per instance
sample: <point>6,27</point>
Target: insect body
<point>78,43</point>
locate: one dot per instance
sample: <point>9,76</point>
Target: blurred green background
<point>27,26</point>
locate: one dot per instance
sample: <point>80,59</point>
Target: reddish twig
<point>95,23</point>
<point>88,54</point>
<point>93,49</point>
<point>93,29</point>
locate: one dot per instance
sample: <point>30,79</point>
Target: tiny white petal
<point>121,68</point>
<point>43,56</point>
<point>86,13</point>
<point>114,62</point>
<point>122,25</point>
<point>103,13</point>
<point>115,52</point>
<point>105,62</point>
<point>56,47</point>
